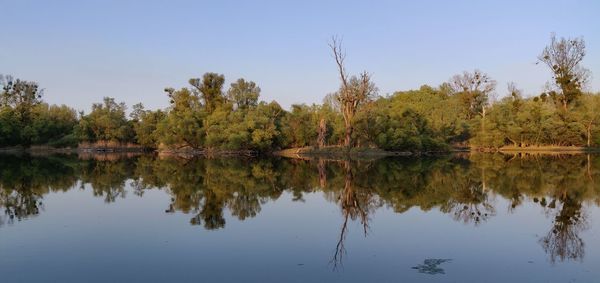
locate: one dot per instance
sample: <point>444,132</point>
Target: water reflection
<point>431,266</point>
<point>24,180</point>
<point>464,187</point>
<point>563,242</point>
<point>355,204</point>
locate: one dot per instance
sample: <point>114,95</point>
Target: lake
<point>452,218</point>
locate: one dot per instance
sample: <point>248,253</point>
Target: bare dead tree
<point>353,92</point>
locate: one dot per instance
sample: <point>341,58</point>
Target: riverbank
<point>189,153</point>
<point>329,152</point>
<point>357,152</point>
<point>37,150</point>
<point>541,149</point>
<point>43,149</point>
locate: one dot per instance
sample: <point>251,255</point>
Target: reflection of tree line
<point>25,180</point>
<point>463,187</point>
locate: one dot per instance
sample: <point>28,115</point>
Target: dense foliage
<point>26,120</point>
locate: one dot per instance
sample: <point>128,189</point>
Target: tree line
<point>208,115</point>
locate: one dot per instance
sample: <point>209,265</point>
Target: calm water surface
<point>460,218</point>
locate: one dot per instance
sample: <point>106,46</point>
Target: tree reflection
<point>355,205</point>
<point>470,205</point>
<point>563,242</point>
<point>465,187</point>
<point>24,181</point>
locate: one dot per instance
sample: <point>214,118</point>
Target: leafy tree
<point>26,120</point>
<point>244,94</point>
<point>53,125</point>
<point>301,126</point>
<point>211,90</point>
<point>22,96</point>
<point>106,122</point>
<point>10,130</point>
<point>257,128</point>
<point>442,110</point>
<point>266,126</point>
<point>183,124</point>
<point>589,115</point>
<point>145,125</point>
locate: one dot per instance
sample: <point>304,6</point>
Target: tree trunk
<point>322,133</point>
<point>589,135</point>
<point>483,120</point>
<point>589,167</point>
<point>348,138</point>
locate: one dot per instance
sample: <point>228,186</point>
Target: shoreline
<point>302,152</point>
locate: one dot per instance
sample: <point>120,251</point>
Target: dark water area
<point>456,218</point>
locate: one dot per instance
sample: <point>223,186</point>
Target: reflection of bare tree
<point>322,173</point>
<point>19,204</point>
<point>563,241</point>
<point>355,206</point>
<point>471,204</point>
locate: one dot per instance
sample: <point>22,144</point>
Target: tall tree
<point>475,90</point>
<point>106,122</point>
<point>211,90</point>
<point>244,94</point>
<point>22,97</point>
<point>354,91</point>
<point>145,123</point>
<point>183,126</point>
<point>589,114</point>
<point>563,56</point>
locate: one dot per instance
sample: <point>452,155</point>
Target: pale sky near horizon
<point>81,51</point>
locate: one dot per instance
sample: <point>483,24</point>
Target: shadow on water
<point>463,187</point>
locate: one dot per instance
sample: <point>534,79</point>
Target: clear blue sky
<point>81,51</point>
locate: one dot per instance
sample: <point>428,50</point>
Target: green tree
<point>589,115</point>
<point>145,125</point>
<point>106,122</point>
<point>210,88</point>
<point>53,125</point>
<point>10,130</point>
<point>22,96</point>
<point>183,124</point>
<point>244,94</point>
